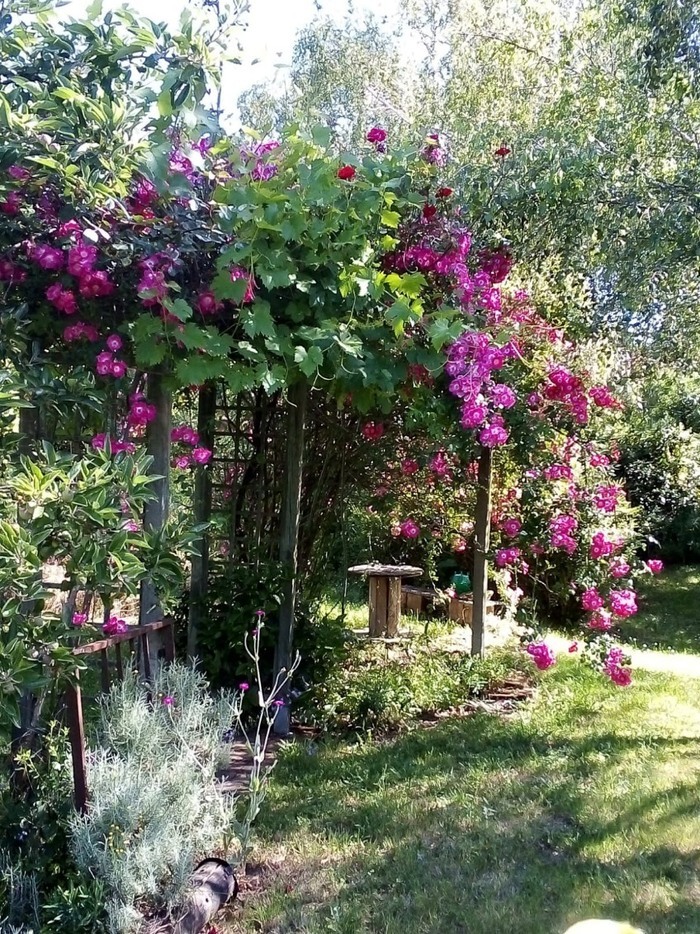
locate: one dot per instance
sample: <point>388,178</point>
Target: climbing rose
<point>542,655</point>
<point>373,431</point>
<point>601,620</point>
<point>409,466</point>
<point>79,619</point>
<point>347,173</point>
<point>511,527</point>
<point>47,257</point>
<point>182,461</point>
<point>591,599</point>
<point>201,455</point>
<point>623,602</point>
<point>114,626</point>
<point>114,342</point>
<point>443,193</point>
<point>237,272</point>
<point>62,299</point>
<point>208,304</point>
<point>619,568</point>
<point>376,135</point>
<point>655,566</point>
<point>410,529</point>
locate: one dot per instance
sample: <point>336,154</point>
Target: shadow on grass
<point>480,825</point>
<point>669,615</point>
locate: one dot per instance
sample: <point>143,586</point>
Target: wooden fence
<point>135,637</point>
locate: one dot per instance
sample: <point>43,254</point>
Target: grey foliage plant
<point>156,808</point>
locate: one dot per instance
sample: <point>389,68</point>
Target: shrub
<point>372,693</point>
<point>155,809</point>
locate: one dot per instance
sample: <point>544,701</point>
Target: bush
<point>372,693</point>
<point>154,806</point>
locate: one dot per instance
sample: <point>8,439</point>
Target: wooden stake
<point>289,538</point>
<point>482,543</point>
<point>202,513</point>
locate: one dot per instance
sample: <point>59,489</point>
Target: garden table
<point>385,595</point>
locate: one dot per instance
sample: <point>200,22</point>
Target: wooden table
<point>385,595</point>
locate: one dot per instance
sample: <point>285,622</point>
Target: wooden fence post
<point>289,539</point>
<point>155,514</point>
<point>76,733</point>
<point>482,543</point>
<point>202,513</point>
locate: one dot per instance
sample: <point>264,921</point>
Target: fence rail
<point>135,636</point>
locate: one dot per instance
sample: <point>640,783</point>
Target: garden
<point>350,472</point>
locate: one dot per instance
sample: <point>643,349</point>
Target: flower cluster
<point>197,457</point>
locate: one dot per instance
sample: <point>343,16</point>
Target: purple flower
<point>168,700</point>
<point>260,613</point>
<point>79,619</point>
<point>244,686</point>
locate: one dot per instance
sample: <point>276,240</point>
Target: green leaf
<point>390,218</point>
<point>258,320</point>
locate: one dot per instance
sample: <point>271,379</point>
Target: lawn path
<point>671,663</point>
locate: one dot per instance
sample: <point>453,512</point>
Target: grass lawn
<point>671,612</point>
<point>584,803</point>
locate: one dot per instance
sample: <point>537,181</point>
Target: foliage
<point>368,692</point>
<point>154,808</point>
<point>39,881</point>
<point>579,803</point>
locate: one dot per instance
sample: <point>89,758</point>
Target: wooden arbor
<point>385,595</point>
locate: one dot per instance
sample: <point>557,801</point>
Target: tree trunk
<point>156,512</point>
<point>482,542</point>
<point>202,514</point>
<point>289,537</point>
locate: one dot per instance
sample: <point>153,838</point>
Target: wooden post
<point>393,610</point>
<point>155,514</point>
<point>76,734</point>
<point>378,605</point>
<point>482,542</point>
<point>289,536</point>
<point>202,513</point>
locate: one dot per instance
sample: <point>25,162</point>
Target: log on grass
<point>212,885</point>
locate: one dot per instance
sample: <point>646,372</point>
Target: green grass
<point>582,804</point>
<point>670,617</point>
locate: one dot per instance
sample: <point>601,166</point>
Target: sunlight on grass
<point>582,803</point>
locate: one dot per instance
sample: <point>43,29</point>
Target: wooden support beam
<point>76,733</point>
<point>202,513</point>
<point>482,543</point>
<point>289,540</point>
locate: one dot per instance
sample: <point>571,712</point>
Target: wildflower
<point>243,686</point>
<point>409,466</point>
<point>168,700</point>
<point>347,173</point>
<point>278,703</point>
<point>260,613</point>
